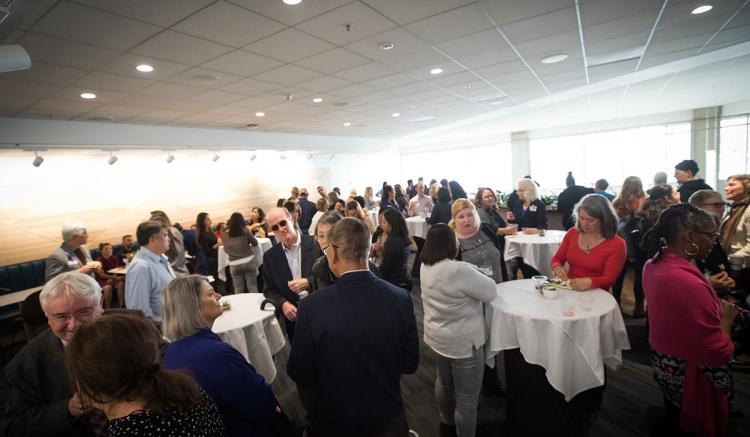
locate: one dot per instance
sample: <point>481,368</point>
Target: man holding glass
<point>287,267</point>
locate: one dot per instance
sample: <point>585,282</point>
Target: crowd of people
<point>341,284</point>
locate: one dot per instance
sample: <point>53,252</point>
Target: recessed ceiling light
<point>436,71</point>
<point>396,114</point>
<point>145,68</point>
<point>88,96</point>
<point>260,114</point>
<point>554,59</point>
<point>347,124</point>
<point>292,2</point>
<point>317,100</point>
<point>701,9</point>
<point>387,45</point>
<point>467,86</point>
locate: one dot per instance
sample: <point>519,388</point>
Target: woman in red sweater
<point>689,325</point>
<point>594,252</point>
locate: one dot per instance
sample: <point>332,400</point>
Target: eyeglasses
<point>81,314</point>
<point>281,224</point>
<point>713,235</point>
<point>716,204</point>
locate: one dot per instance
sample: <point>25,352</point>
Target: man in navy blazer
<point>287,266</point>
<point>354,340</point>
<point>307,211</point>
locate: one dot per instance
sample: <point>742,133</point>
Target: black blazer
<point>353,341</point>
<point>276,272</point>
<point>40,391</point>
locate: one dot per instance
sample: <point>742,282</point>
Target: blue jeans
<point>457,388</point>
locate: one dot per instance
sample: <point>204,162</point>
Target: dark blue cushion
<point>38,266</point>
<point>27,275</point>
<point>16,278</point>
<point>4,278</point>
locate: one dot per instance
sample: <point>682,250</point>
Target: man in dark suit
<point>307,211</point>
<point>287,267</point>
<point>41,401</point>
<point>354,340</point>
<point>568,198</point>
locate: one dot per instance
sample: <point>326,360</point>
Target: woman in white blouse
<point>452,296</point>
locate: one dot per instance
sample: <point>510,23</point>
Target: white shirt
<point>419,205</point>
<point>294,257</point>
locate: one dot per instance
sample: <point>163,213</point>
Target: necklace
<point>588,249</point>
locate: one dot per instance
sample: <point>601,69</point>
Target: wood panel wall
<point>112,199</point>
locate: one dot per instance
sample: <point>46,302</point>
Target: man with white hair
<point>287,267</point>
<point>72,254</point>
<point>41,400</point>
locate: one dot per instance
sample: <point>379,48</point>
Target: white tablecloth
<point>536,251</point>
<point>256,334</point>
<point>263,245</point>
<point>573,350</point>
<point>417,226</point>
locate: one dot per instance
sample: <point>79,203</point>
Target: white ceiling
<point>218,62</point>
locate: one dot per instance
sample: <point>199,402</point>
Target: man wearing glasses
<point>287,267</point>
<point>41,399</point>
<point>716,265</point>
<point>150,271</point>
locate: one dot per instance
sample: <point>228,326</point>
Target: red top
<point>602,264</point>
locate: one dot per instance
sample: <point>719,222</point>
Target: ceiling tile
<point>158,116</point>
<point>331,26</point>
<point>324,83</point>
<point>291,15</point>
<point>413,10</point>
<point>405,43</point>
<point>125,65</point>
<point>26,89</point>
<point>163,13</point>
<point>83,24</point>
<point>169,90</point>
<point>65,105</point>
<point>253,104</point>
<point>289,45</point>
<point>288,74</point>
<point>250,86</point>
<point>10,104</point>
<point>533,51</point>
<point>62,52</point>
<point>353,90</point>
<point>242,63</point>
<point>150,102</point>
<point>178,47</point>
<point>41,72</point>
<point>228,24</point>
<point>365,72</point>
<point>332,61</point>
<point>204,78</point>
<point>113,82</point>
<point>115,112</point>
<point>640,24</point>
<point>487,43</point>
<point>391,81</point>
<point>449,25</point>
<point>541,26</point>
<point>217,97</point>
<point>509,11</point>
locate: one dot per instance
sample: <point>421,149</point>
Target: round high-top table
<point>223,259</point>
<point>554,363</point>
<point>536,251</point>
<point>255,333</point>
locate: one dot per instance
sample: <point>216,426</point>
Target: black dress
<point>441,213</point>
<point>202,419</point>
<point>393,267</point>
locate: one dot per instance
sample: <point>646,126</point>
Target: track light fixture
<point>215,157</point>
<point>252,158</point>
<point>38,160</point>
<point>112,159</point>
<point>170,158</point>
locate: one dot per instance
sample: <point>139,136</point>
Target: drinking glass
<point>585,302</point>
<point>569,306</point>
<point>539,282</point>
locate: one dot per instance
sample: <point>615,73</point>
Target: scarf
<point>729,226</point>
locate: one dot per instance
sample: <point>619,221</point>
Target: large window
<point>733,152</point>
<point>472,167</point>
<point>611,155</point>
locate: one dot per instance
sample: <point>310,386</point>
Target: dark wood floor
<point>631,404</point>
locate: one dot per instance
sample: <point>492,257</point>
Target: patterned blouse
<point>669,373</point>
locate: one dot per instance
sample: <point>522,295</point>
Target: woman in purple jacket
<point>189,308</point>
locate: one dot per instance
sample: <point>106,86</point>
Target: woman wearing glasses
<point>689,326</point>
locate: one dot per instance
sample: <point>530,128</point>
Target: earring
<point>697,249</point>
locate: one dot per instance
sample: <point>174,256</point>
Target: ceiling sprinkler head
<point>289,97</point>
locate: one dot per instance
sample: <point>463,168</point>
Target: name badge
<point>532,208</point>
<point>73,263</point>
